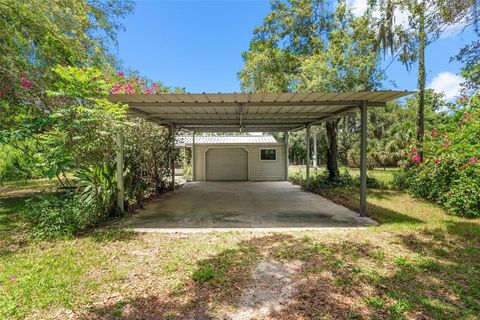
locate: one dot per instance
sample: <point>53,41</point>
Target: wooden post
<point>172,155</point>
<point>193,156</point>
<point>285,136</point>
<point>307,146</point>
<point>120,182</point>
<point>363,159</point>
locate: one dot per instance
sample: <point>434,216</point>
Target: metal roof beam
<point>353,103</point>
<point>235,116</point>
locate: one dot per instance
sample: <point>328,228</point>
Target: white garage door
<point>227,164</point>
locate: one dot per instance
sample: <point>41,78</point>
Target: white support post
<point>307,146</point>
<point>193,156</point>
<point>285,136</point>
<point>363,159</point>
<point>315,162</point>
<point>172,155</point>
<point>120,182</point>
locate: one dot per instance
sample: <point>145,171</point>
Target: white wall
<point>273,170</point>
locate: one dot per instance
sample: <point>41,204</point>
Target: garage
<point>236,158</point>
<point>226,164</point>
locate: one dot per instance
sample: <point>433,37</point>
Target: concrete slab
<point>223,206</point>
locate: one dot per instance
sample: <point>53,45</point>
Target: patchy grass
<point>420,263</point>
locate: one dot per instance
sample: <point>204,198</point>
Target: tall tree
<point>427,20</point>
<point>308,45</point>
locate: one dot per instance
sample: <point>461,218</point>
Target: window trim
<point>260,154</point>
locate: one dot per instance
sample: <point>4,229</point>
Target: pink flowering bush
<point>449,173</point>
<point>124,84</point>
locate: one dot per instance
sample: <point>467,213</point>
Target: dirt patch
<point>272,289</point>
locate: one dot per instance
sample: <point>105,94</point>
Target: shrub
<point>321,181</point>
<point>449,173</point>
<point>59,215</point>
<point>14,165</point>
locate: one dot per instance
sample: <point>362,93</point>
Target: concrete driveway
<point>200,206</point>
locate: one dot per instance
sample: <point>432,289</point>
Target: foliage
<point>147,155</point>
<point>59,215</point>
<point>449,173</point>
<point>184,158</point>
<point>80,137</point>
<point>15,166</point>
<point>312,46</point>
<point>38,35</point>
<point>322,181</point>
<point>98,185</point>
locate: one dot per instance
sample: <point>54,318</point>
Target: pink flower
<point>154,85</point>
<point>433,132</point>
<point>26,84</point>
<point>148,91</point>
<point>116,89</point>
<point>473,160</point>
<point>414,150</point>
<point>12,278</point>
<point>446,144</point>
<point>437,161</point>
<point>128,89</point>
<point>416,159</point>
<point>121,74</point>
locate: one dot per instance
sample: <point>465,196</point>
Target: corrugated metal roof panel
<point>188,140</point>
<point>254,112</point>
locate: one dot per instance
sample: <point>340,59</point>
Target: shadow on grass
<point>349,198</point>
<point>428,274</point>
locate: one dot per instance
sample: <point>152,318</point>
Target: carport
<point>253,112</point>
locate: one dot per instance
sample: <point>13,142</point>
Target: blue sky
<point>198,45</point>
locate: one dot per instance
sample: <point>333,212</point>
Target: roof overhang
<point>254,112</point>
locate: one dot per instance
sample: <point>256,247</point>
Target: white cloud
<point>358,7</point>
<point>448,83</point>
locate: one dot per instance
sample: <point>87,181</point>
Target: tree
<point>306,45</point>
<point>38,35</point>
<point>427,20</point>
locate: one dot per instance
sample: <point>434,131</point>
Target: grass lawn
<point>420,263</point>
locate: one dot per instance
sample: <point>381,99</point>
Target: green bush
<point>14,165</point>
<point>59,215</point>
<point>321,181</point>
<point>449,173</point>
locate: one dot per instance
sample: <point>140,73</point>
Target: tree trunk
<point>332,151</point>
<point>421,78</point>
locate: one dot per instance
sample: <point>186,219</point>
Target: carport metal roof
<point>257,112</point>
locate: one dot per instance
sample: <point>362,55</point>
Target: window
<point>268,154</point>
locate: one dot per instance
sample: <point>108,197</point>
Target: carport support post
<point>172,155</point>
<point>363,159</point>
<point>120,182</point>
<point>307,146</point>
<point>314,156</point>
<point>193,156</point>
<point>285,136</point>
